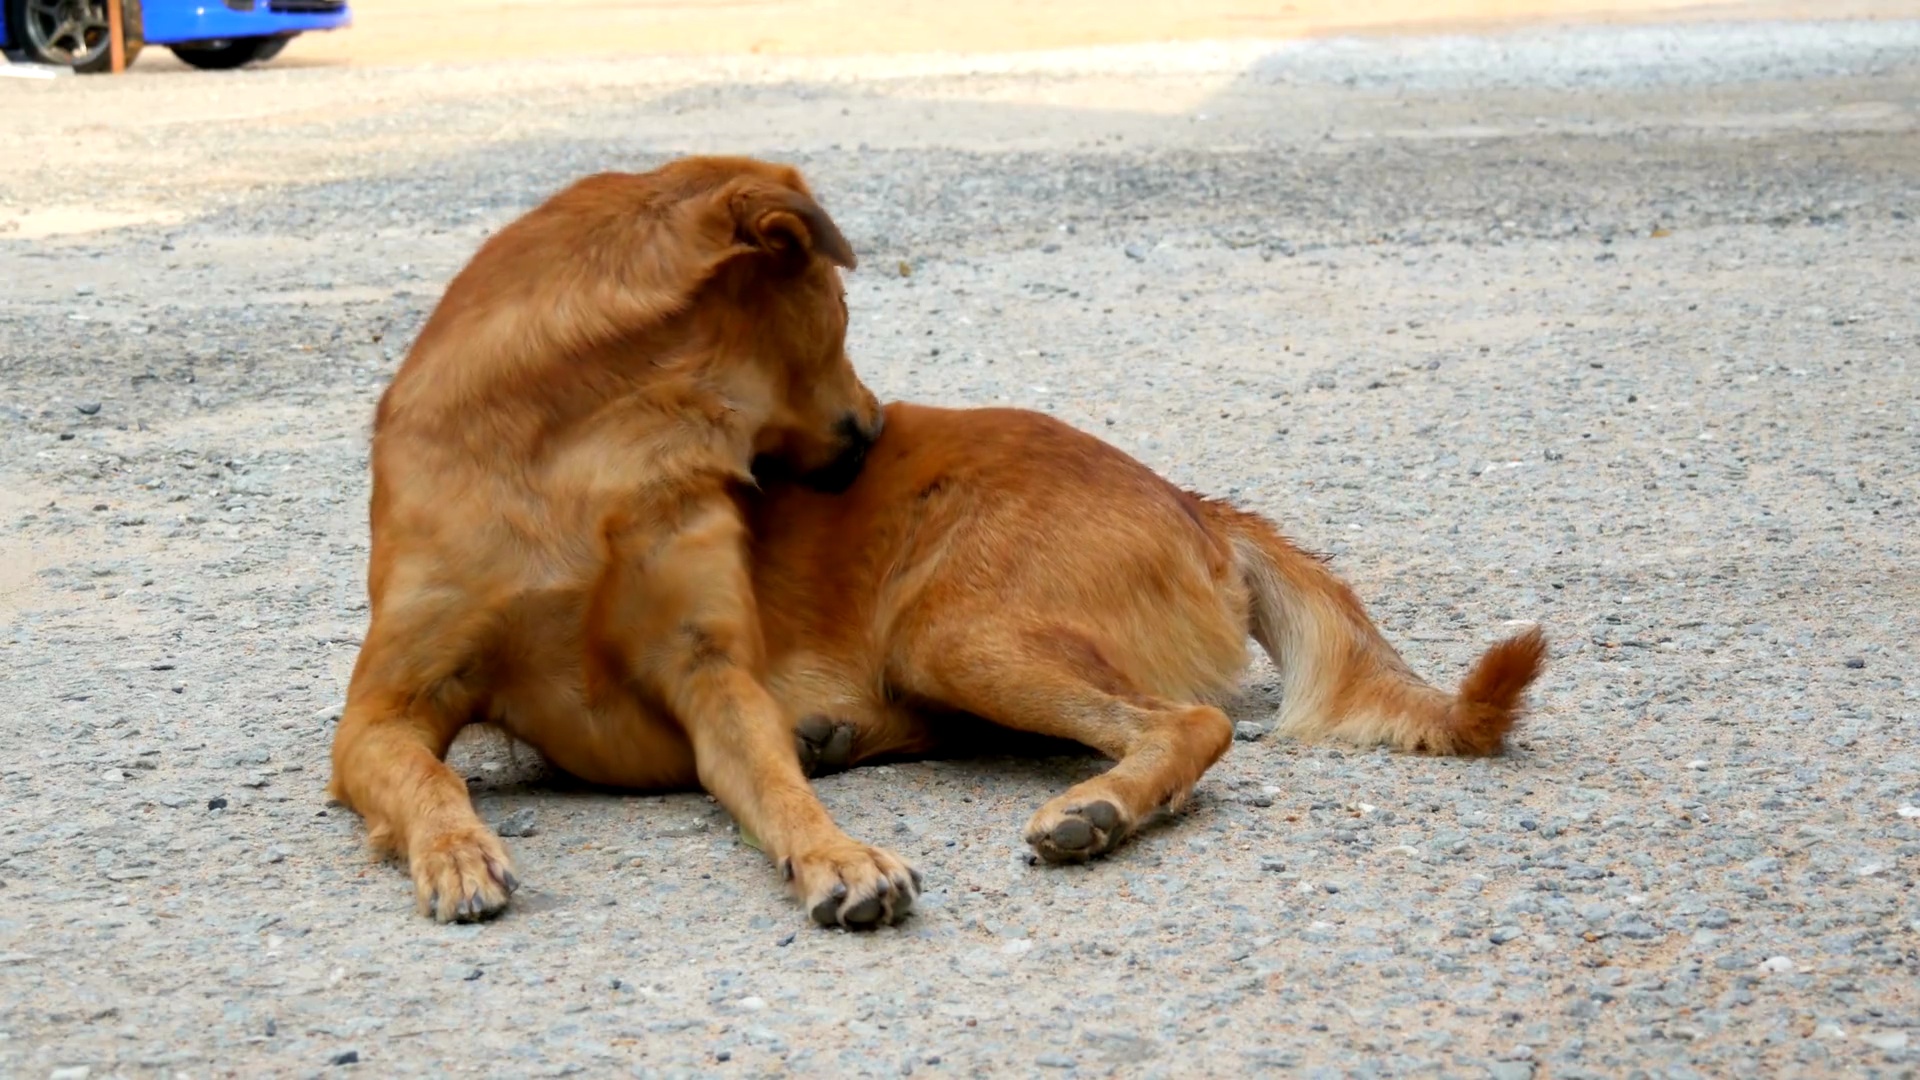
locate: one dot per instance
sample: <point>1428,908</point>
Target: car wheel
<point>227,53</point>
<point>72,33</point>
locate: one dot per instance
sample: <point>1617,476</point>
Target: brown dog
<point>998,563</point>
<point>560,516</point>
<point>556,543</point>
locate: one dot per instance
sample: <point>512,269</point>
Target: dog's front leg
<point>676,615</point>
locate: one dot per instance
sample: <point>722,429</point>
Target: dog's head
<point>820,417</point>
<point>748,264</point>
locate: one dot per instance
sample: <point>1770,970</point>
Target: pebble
<point>71,1072</point>
<point>1638,930</point>
<point>522,822</point>
<point>88,408</point>
<point>1054,1061</point>
<point>1136,252</point>
<point>345,1057</point>
<point>1511,1070</point>
<point>1248,731</point>
<point>218,802</point>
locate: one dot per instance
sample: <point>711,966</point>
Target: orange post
<point>116,37</point>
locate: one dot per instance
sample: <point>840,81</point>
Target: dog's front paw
<point>852,885</point>
<point>1067,831</point>
<point>461,874</point>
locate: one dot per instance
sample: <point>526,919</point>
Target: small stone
<point>1776,965</point>
<point>1637,930</point>
<point>521,822</point>
<point>1054,1061</point>
<point>218,802</point>
<point>112,776</point>
<point>71,1072</point>
<point>1511,1070</point>
<point>723,1055</point>
<point>787,940</point>
<point>88,408</point>
<point>1856,663</point>
<point>753,1004</point>
<point>475,973</point>
<point>172,800</point>
<point>1698,764</point>
<point>1886,1040</point>
<point>1248,731</point>
<point>1829,1030</point>
<point>1503,934</point>
<point>345,1057</point>
<point>83,290</point>
<point>1135,251</point>
<point>1909,812</point>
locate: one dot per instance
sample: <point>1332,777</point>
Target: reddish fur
<point>999,562</point>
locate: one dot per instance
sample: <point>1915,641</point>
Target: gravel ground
<point>1613,329</point>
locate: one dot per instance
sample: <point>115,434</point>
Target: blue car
<point>212,34</point>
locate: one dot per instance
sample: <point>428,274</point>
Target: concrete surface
<point>1611,328</point>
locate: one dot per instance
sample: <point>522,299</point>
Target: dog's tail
<point>1344,681</point>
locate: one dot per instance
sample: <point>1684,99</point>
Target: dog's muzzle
<point>839,474</point>
<point>835,476</point>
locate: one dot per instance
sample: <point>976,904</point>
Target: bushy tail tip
<point>1492,697</point>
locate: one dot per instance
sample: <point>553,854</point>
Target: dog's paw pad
<point>825,744</point>
<point>1077,833</point>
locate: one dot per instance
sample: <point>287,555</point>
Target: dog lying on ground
<point>568,542</point>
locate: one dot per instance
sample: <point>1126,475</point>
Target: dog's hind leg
<point>388,765</point>
<point>1055,681</point>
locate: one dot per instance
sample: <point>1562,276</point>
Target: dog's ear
<point>789,225</point>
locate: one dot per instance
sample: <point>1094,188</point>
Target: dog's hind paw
<point>1076,833</point>
<point>825,744</point>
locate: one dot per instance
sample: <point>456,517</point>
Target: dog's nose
<point>858,434</point>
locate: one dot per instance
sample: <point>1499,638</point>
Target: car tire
<point>230,53</point>
<point>32,29</point>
